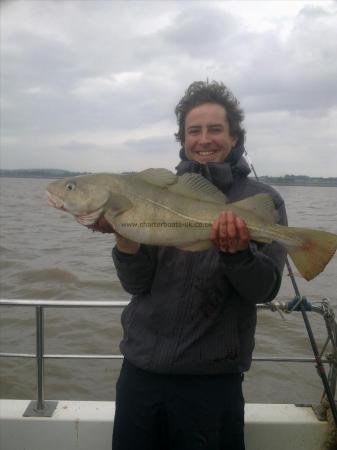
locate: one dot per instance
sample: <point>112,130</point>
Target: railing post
<point>40,407</point>
<point>39,357</point>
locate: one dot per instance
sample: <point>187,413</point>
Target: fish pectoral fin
<point>261,205</point>
<point>196,246</point>
<point>157,177</point>
<point>117,204</point>
<point>195,186</point>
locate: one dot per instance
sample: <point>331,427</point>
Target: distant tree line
<point>299,180</point>
<point>39,173</point>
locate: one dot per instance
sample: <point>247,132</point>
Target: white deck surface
<point>88,426</point>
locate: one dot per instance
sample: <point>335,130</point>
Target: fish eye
<point>70,186</point>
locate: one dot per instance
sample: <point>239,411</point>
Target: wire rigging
<point>302,307</point>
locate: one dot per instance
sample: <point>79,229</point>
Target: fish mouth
<point>87,219</point>
<point>54,201</point>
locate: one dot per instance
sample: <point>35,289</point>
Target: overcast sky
<point>92,85</point>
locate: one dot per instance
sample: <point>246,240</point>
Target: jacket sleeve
<point>256,273</point>
<point>136,272</point>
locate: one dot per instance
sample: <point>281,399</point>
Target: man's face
<point>207,137</point>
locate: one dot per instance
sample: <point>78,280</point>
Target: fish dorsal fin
<point>261,205</point>
<point>191,185</point>
<point>158,177</point>
<point>194,185</point>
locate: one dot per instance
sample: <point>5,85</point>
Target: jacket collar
<point>220,174</point>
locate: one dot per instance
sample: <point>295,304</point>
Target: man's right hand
<point>123,244</point>
<point>102,225</point>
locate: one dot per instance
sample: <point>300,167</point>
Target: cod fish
<point>157,207</point>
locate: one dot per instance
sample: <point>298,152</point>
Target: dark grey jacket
<point>195,312</point>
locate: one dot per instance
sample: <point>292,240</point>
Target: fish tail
<point>310,250</point>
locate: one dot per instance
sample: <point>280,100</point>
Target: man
<point>189,328</point>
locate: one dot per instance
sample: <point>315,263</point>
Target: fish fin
<point>196,246</point>
<point>191,185</point>
<point>116,204</point>
<point>310,250</point>
<point>261,205</point>
<point>158,177</point>
<point>109,217</point>
<point>194,185</point>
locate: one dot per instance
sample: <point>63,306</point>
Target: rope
<point>294,304</point>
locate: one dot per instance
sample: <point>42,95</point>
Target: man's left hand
<point>102,225</point>
<point>229,233</point>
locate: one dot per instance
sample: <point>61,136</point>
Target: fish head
<point>84,197</point>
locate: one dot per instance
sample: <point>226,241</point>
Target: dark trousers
<point>178,412</point>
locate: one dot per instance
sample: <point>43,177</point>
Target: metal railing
<point>44,408</point>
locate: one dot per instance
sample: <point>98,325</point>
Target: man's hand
<point>123,244</point>
<point>102,225</point>
<point>229,233</point>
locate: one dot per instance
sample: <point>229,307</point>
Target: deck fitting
<point>47,411</point>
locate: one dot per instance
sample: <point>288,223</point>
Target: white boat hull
<point>85,425</point>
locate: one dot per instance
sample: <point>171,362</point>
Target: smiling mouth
<point>206,152</point>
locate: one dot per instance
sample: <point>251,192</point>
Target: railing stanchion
<point>40,407</point>
<point>40,357</point>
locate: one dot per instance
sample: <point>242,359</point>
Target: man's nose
<point>204,137</point>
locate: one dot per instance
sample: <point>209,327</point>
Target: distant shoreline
<point>39,173</point>
<point>42,177</point>
<point>287,180</point>
<point>302,184</point>
<point>299,180</point>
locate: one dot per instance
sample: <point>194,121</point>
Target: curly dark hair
<point>200,92</point>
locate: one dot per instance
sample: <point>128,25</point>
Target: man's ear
<point>235,140</point>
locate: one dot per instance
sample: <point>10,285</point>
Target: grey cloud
<point>200,30</point>
<point>269,73</point>
<point>298,74</point>
<point>146,146</point>
<point>43,61</point>
<point>78,147</point>
<point>152,145</point>
<point>312,12</point>
<point>63,83</point>
<point>41,81</point>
